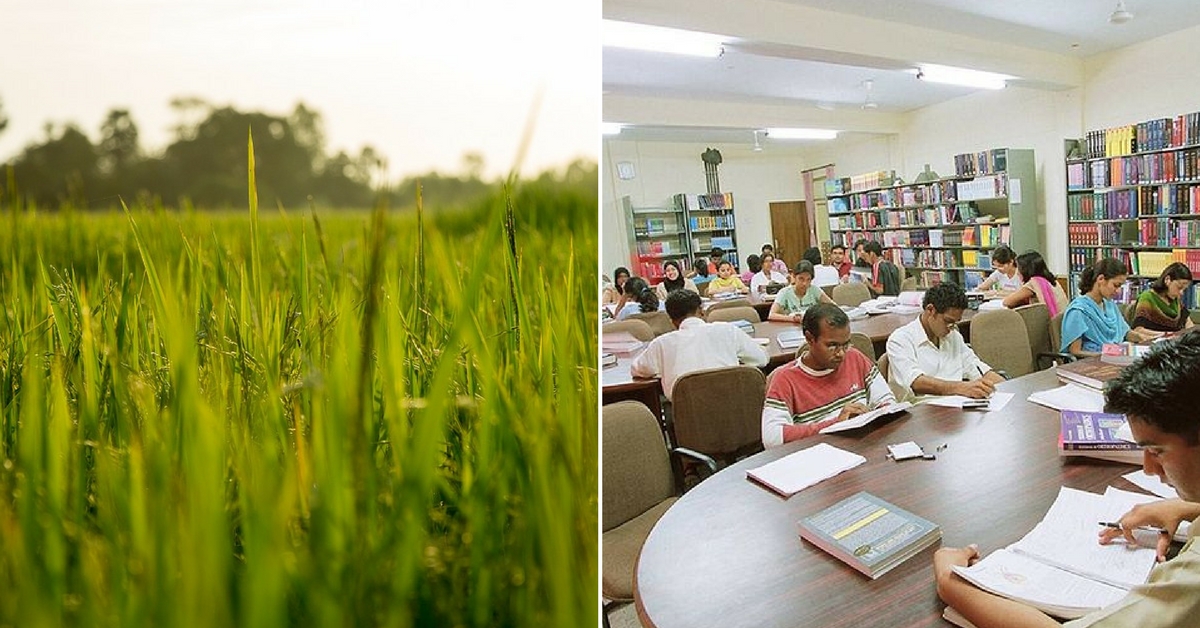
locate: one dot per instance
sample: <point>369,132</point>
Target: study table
<point>728,553</point>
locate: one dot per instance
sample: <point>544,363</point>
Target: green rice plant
<point>337,419</point>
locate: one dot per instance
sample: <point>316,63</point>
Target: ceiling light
<point>611,128</point>
<point>869,103</point>
<point>660,39</point>
<point>800,134</point>
<point>757,147</point>
<point>961,76</point>
<point>1119,14</point>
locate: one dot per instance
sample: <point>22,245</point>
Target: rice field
<point>299,419</point>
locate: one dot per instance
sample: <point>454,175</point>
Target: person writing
<point>673,280</point>
<point>1041,286</point>
<point>726,282</point>
<point>885,277</point>
<point>1160,308</point>
<point>792,301</point>
<point>1006,277</point>
<point>929,356</point>
<point>1092,319</point>
<point>1158,398</point>
<point>830,381</point>
<point>695,345</point>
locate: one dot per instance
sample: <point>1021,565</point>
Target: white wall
<point>1152,79</point>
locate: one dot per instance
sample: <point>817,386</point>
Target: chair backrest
<point>1037,327</point>
<point>999,338</point>
<point>658,321</point>
<point>828,290</point>
<point>637,328</point>
<point>728,314</point>
<point>702,288</point>
<point>1128,310</point>
<point>720,305</point>
<point>1056,330</point>
<point>718,412</point>
<point>852,294</point>
<point>863,343</point>
<point>882,365</point>
<point>909,284</point>
<point>637,467</point>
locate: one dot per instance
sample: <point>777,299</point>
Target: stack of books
<point>1090,372</point>
<point>1098,435</point>
<point>1122,353</point>
<point>869,534</point>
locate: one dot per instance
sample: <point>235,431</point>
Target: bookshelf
<point>942,229</point>
<point>1133,193</point>
<point>710,222</point>
<point>656,234</point>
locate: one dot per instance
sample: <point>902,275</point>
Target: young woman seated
<point>1005,277</point>
<point>1160,308</point>
<point>792,301</point>
<point>1093,319</point>
<point>1041,286</point>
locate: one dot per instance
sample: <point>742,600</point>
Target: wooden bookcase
<point>682,231</point>
<point>943,229</point>
<point>1133,193</point>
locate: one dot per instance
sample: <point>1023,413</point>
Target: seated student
<point>837,259</point>
<point>778,265</point>
<point>1160,308</point>
<point>753,265</point>
<point>885,277</point>
<point>673,280</point>
<point>766,275</point>
<point>726,282</point>
<point>1006,277</point>
<point>637,297</point>
<point>822,275</point>
<point>715,257</point>
<point>1041,286</point>
<point>612,291</point>
<point>792,301</point>
<point>1158,398</point>
<point>695,345</point>
<point>1092,319</point>
<point>830,382</point>
<point>929,356</point>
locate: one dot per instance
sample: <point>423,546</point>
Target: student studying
<point>1157,399</point>
<point>791,302</point>
<point>1160,308</point>
<point>1092,319</point>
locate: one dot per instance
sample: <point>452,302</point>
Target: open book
<point>1059,567</point>
<point>795,472</point>
<point>866,417</point>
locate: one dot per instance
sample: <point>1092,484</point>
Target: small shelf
<point>663,234</point>
<point>646,210</point>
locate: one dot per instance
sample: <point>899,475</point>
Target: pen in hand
<point>1117,526</point>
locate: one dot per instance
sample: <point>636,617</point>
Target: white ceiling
<point>804,62</point>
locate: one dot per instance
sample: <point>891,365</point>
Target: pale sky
<point>421,81</point>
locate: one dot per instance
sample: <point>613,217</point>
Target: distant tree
<point>472,164</point>
<point>309,130</point>
<point>192,110</point>
<point>118,147</point>
<point>61,170</point>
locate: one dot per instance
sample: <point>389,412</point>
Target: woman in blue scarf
<point>1093,319</point>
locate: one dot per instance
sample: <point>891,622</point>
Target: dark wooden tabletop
<point>728,553</point>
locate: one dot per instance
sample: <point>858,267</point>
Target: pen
<point>1117,526</point>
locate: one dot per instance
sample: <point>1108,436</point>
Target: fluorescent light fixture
<point>611,128</point>
<point>660,39</point>
<point>961,76</point>
<point>801,134</point>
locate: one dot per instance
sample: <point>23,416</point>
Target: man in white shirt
<point>695,345</point>
<point>929,356</point>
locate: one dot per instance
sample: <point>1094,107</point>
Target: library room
<point>896,302</point>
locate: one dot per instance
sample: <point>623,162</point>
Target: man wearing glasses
<point>929,356</point>
<point>830,381</point>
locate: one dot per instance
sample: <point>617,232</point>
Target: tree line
<point>204,165</point>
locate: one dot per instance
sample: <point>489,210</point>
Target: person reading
<point>1005,277</point>
<point>929,356</point>
<point>636,297</point>
<point>792,301</point>
<point>837,259</point>
<point>830,381</point>
<point>727,281</point>
<point>1158,400</point>
<point>1041,286</point>
<point>695,345</point>
<point>767,275</point>
<point>1093,319</point>
<point>1161,308</point>
<point>885,276</point>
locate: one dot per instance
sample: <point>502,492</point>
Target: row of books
<point>656,226</point>
<point>916,195</point>
<point>1168,232</point>
<point>660,248</point>
<point>984,162</point>
<point>708,243</point>
<point>1183,130</point>
<point>1093,233</point>
<point>982,188</point>
<point>1149,169</point>
<point>1148,264</point>
<point>1113,204</point>
<point>714,201</point>
<point>711,222</point>
<point>866,181</point>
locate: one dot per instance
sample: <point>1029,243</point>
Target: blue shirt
<point>1094,324</point>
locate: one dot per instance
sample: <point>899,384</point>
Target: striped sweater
<point>801,401</point>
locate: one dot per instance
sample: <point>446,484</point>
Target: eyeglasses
<point>950,323</point>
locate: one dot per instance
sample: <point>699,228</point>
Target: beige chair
<point>852,294</point>
<point>1128,310</point>
<point>658,321</point>
<point>720,305</point>
<point>1056,331</point>
<point>999,337</point>
<point>718,412</point>
<point>639,486</point>
<point>863,343</point>
<point>909,284</point>
<point>729,314</point>
<point>828,290</point>
<point>1037,326</point>
<point>637,328</point>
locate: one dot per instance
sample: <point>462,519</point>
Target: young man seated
<point>695,345</point>
<point>885,276</point>
<point>929,356</point>
<point>1157,397</point>
<point>830,381</point>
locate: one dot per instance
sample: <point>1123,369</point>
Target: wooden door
<point>789,230</point>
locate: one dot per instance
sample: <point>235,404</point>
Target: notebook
<point>866,417</point>
<point>795,472</point>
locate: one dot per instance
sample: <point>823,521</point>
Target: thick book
<point>866,417</point>
<point>608,359</point>
<point>1098,435</point>
<point>790,339</point>
<point>869,534</point>
<point>1058,567</point>
<point>798,471</point>
<point>1090,372</point>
